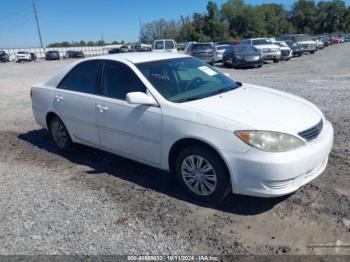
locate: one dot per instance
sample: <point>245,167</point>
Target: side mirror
<point>139,98</point>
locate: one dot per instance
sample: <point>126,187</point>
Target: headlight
<point>238,57</point>
<point>270,141</point>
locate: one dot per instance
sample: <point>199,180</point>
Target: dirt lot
<point>91,202</point>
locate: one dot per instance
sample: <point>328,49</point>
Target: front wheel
<point>59,134</point>
<point>202,174</point>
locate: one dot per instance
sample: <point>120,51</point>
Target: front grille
<point>312,133</point>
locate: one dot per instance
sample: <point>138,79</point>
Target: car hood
<point>261,108</point>
<point>267,46</point>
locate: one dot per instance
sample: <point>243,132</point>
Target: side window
<point>159,45</point>
<point>118,80</point>
<point>82,78</point>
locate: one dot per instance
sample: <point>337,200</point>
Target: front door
<point>133,131</point>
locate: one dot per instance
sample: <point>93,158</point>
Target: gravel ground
<point>91,202</point>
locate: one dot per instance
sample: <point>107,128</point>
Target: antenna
<point>37,24</point>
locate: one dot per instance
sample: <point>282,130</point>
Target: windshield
<point>185,79</point>
<point>261,42</point>
<point>281,44</point>
<point>300,38</point>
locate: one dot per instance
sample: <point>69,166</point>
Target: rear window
<point>261,42</point>
<point>299,38</point>
<point>201,47</point>
<point>159,45</point>
<point>169,45</point>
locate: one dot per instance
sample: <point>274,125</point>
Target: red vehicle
<point>335,40</point>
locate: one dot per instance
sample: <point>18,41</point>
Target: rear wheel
<point>276,60</point>
<point>312,52</point>
<point>202,174</point>
<point>59,134</point>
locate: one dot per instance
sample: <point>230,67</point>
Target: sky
<point>75,20</point>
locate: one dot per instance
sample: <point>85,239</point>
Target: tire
<point>217,176</point>
<point>276,60</point>
<point>60,134</point>
<point>312,52</point>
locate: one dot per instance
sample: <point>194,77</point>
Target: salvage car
<point>176,113</point>
<point>23,56</point>
<point>219,51</point>
<point>297,50</point>
<point>286,51</point>
<point>203,51</point>
<point>305,41</point>
<point>164,45</point>
<point>269,50</point>
<point>4,57</point>
<point>52,55</point>
<point>74,54</point>
<point>242,56</point>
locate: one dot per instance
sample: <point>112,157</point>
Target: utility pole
<point>37,24</point>
<point>140,30</point>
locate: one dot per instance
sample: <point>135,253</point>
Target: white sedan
<point>176,113</point>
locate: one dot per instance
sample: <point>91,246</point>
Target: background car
<point>319,42</point>
<point>286,51</point>
<point>242,56</point>
<point>297,50</point>
<point>308,44</point>
<point>229,42</point>
<point>219,51</point>
<point>181,46</point>
<point>33,56</point>
<point>335,40</point>
<point>23,56</point>
<point>75,54</point>
<point>52,55</point>
<point>4,57</point>
<point>269,50</point>
<point>203,51</point>
<point>164,45</point>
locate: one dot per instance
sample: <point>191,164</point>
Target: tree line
<point>83,43</point>
<point>237,19</point>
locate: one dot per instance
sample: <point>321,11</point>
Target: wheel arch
<point>183,143</point>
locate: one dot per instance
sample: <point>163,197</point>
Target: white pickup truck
<point>269,50</point>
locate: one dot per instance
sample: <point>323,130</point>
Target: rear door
<point>74,99</point>
<point>130,130</point>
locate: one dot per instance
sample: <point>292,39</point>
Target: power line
<point>11,23</point>
<point>17,24</point>
<point>15,14</point>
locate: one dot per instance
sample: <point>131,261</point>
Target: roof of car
<point>141,57</point>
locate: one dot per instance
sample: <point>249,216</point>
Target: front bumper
<point>271,55</point>
<point>265,174</point>
<point>309,48</point>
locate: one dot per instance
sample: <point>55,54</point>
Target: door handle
<point>58,98</point>
<point>102,108</point>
